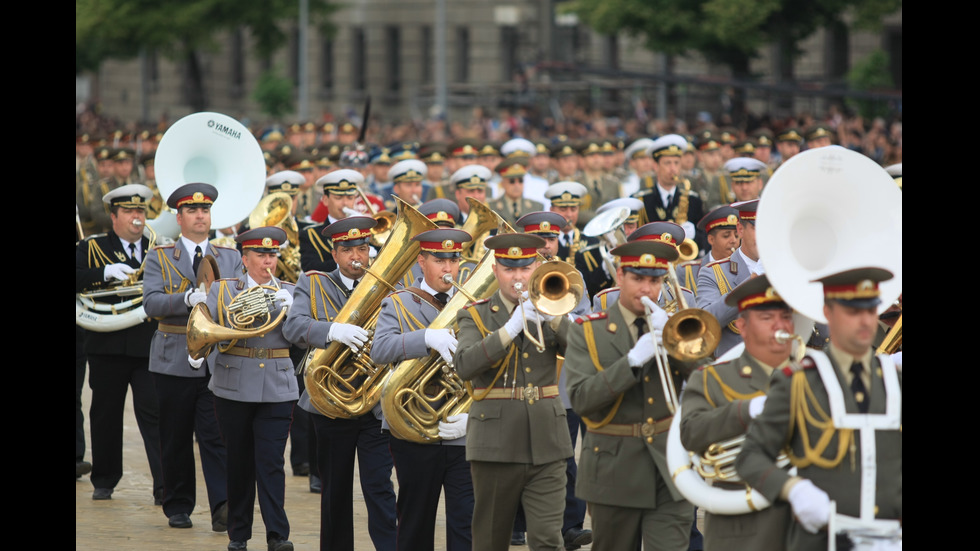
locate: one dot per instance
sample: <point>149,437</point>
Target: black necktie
<point>517,210</point>
<point>857,387</point>
<point>641,327</point>
<point>354,286</point>
<point>670,197</point>
<point>132,251</point>
<point>197,258</point>
<point>442,298</point>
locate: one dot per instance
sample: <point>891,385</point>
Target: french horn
<point>423,391</point>
<point>343,384</point>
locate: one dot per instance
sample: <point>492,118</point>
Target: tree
<point>182,29</point>
<point>274,94</point>
<point>729,32</point>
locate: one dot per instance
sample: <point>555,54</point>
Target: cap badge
<point>266,241</point>
<point>545,226</point>
<point>514,251</point>
<point>198,197</point>
<point>447,244</point>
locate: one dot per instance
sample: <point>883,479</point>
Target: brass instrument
<point>250,307</point>
<point>607,226</point>
<point>385,220</point>
<point>421,392</point>
<point>343,384</point>
<point>893,339</point>
<point>688,250</point>
<point>480,222</point>
<point>276,209</point>
<point>691,334</point>
<point>555,288</point>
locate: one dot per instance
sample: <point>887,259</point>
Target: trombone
<point>555,288</point>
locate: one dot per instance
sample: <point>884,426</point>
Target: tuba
<point>343,384</point>
<point>216,149</point>
<point>481,221</point>
<point>276,209</point>
<point>421,392</point>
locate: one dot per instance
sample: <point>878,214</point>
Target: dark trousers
<point>337,442</point>
<point>423,471</point>
<point>300,442</point>
<point>187,410</point>
<point>255,436</point>
<point>574,507</point>
<point>110,378</point>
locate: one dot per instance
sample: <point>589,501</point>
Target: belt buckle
<point>530,393</point>
<point>261,353</point>
<point>647,429</point>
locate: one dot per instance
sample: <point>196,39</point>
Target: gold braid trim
<point>317,289</point>
<point>594,355</point>
<point>318,244</point>
<point>503,363</point>
<point>401,311</point>
<point>724,190</point>
<point>724,287</point>
<point>801,416</point>
<point>729,393</point>
<point>167,270</point>
<point>683,204</point>
<point>96,256</point>
<point>689,280</point>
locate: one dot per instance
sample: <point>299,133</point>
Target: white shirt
<point>348,282</point>
<point>138,255</point>
<point>754,266</point>
<point>425,287</point>
<point>189,245</point>
<point>664,193</point>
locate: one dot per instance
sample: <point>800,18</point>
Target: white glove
<point>442,341</point>
<point>897,358</point>
<point>453,427</point>
<point>118,271</point>
<point>643,351</point>
<point>193,297</point>
<point>756,405</point>
<point>811,506</point>
<point>284,296</point>
<point>195,364</point>
<point>515,324</point>
<point>351,335</point>
<point>660,318</point>
<point>688,229</point>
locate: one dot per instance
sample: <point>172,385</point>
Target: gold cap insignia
<point>266,241</point>
<point>448,244</point>
<point>514,251</point>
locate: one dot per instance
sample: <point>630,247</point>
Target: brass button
<point>646,379</point>
<point>650,400</point>
<point>261,365</point>
<point>596,449</point>
<point>482,416</point>
<point>525,355</point>
<point>650,419</point>
<point>649,440</point>
<point>527,369</point>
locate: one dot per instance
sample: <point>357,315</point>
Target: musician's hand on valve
<point>351,335</point>
<point>442,341</point>
<point>194,297</point>
<point>282,295</point>
<point>118,272</point>
<point>756,406</point>
<point>811,506</point>
<point>515,324</point>
<point>643,351</point>
<point>195,364</point>
<point>453,427</point>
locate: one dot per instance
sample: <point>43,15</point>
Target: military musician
<point>517,436</point>
<point>672,199</point>
<point>721,399</point>
<point>186,403</point>
<point>118,359</point>
<point>566,199</point>
<point>319,296</point>
<point>838,414</point>
<point>339,195</point>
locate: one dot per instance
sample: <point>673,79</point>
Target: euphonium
<point>343,384</point>
<point>481,220</point>
<point>421,392</point>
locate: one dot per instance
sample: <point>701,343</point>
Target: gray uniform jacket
<point>715,281</point>
<point>262,371</point>
<point>618,470</point>
<point>715,407</point>
<point>169,273</point>
<point>317,299</point>
<point>510,430</point>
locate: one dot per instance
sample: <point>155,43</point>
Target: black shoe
<point>316,485</point>
<point>181,520</point>
<point>237,545</point>
<point>219,519</point>
<point>576,537</point>
<point>82,468</point>
<point>102,493</point>
<point>518,538</point>
<point>301,469</point>
<point>277,544</point>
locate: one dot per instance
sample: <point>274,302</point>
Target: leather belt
<point>260,353</point>
<point>640,430</point>
<point>177,329</point>
<point>524,393</point>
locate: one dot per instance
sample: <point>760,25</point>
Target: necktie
<point>670,197</point>
<point>132,251</point>
<point>517,210</point>
<point>641,327</point>
<point>857,387</point>
<point>442,298</point>
<point>354,286</point>
<point>197,258</point>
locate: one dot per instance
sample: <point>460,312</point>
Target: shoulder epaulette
<point>316,272</point>
<point>592,317</point>
<point>224,247</point>
<point>722,261</point>
<point>478,302</point>
<point>806,363</point>
<point>94,236</point>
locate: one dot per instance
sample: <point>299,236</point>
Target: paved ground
<point>130,521</point>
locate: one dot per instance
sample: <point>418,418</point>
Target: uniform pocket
<point>227,372</point>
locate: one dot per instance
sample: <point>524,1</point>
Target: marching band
<point>467,327</point>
